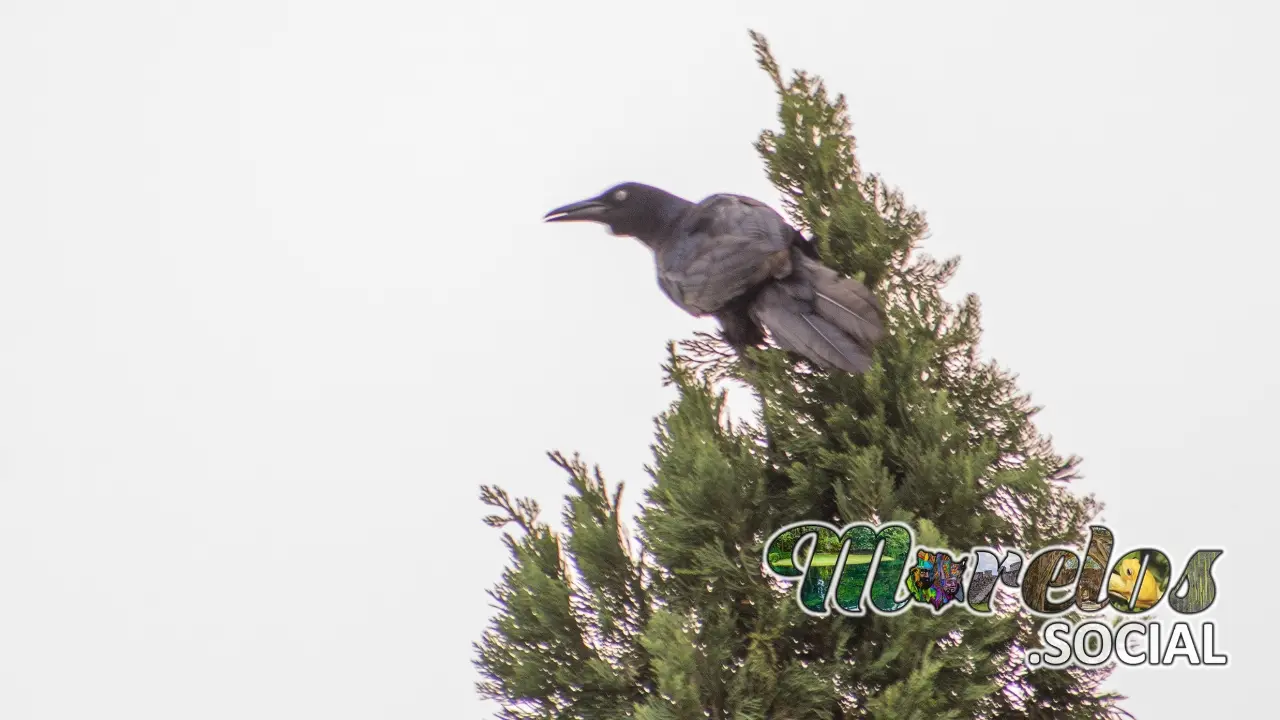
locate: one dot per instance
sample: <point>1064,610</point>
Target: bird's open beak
<point>586,210</point>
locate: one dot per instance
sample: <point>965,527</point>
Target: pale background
<point>275,299</point>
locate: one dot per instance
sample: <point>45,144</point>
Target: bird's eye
<point>620,195</point>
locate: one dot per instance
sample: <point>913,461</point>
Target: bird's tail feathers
<point>832,320</point>
<point>842,301</point>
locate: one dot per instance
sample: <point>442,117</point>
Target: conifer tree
<point>681,621</point>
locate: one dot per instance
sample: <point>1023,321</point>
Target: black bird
<point>738,260</point>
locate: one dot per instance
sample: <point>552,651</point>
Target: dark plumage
<point>738,260</point>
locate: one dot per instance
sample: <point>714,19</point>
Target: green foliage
<point>684,623</point>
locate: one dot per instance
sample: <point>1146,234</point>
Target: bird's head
<point>633,209</point>
<point>1125,578</point>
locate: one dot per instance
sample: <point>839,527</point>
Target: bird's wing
<point>723,247</point>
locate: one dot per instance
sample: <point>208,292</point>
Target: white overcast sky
<point>275,299</point>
